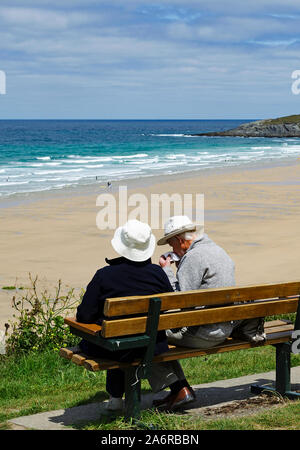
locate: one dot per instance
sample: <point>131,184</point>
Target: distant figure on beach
<point>131,274</point>
<point>108,184</point>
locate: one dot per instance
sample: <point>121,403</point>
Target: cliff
<point>288,126</point>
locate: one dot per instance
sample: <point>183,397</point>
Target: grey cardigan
<point>204,265</point>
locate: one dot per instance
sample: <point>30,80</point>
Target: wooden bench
<point>178,309</point>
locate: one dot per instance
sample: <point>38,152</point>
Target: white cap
<point>134,241</point>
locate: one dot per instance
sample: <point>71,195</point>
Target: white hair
<point>189,235</point>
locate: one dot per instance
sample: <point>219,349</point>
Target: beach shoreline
<point>251,210</point>
<point>134,182</point>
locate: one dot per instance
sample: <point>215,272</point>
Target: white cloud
<point>42,19</point>
<point>195,48</point>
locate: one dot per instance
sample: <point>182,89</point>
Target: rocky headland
<point>282,127</point>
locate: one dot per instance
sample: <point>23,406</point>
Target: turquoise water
<point>42,155</point>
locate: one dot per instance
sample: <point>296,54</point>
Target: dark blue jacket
<point>122,278</point>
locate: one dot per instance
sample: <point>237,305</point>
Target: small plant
<point>39,323</point>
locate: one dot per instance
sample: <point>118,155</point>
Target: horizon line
<point>128,120</point>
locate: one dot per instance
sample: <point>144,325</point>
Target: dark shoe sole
<point>188,399</point>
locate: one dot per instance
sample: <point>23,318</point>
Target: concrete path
<point>209,395</point>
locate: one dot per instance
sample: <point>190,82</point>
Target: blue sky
<point>149,60</point>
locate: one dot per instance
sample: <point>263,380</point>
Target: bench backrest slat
<point>128,326</point>
<point>202,297</point>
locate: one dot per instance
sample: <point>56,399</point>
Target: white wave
<point>12,183</point>
<point>214,156</point>
<point>94,166</point>
<point>54,163</point>
<point>291,149</point>
<point>88,160</point>
<point>254,153</point>
<point>88,157</point>
<point>78,161</point>
<point>45,158</point>
<point>47,172</point>
<point>45,164</point>
<point>139,155</point>
<point>11,176</point>
<point>177,155</point>
<point>172,135</point>
<point>261,148</point>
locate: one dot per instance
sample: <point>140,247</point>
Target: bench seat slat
<point>127,326</point>
<point>184,352</point>
<point>276,330</point>
<point>202,297</point>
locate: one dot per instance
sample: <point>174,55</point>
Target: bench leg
<point>283,373</point>
<point>132,394</point>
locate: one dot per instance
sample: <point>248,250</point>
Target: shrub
<point>39,323</point>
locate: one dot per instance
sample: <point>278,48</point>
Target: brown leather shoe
<point>163,402</point>
<point>183,397</point>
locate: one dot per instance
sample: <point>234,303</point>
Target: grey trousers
<point>204,336</point>
<point>164,374</point>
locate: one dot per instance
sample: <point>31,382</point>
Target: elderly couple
<point>200,264</point>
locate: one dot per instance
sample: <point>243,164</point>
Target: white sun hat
<point>177,225</point>
<point>134,241</point>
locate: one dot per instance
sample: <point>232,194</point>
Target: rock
<point>282,127</point>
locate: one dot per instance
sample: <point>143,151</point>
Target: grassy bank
<point>43,382</point>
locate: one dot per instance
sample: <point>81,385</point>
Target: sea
<point>43,155</point>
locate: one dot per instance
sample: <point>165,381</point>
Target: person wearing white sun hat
<point>131,274</point>
<point>202,265</point>
<point>134,241</point>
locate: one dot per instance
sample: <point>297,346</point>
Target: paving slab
<point>209,395</point>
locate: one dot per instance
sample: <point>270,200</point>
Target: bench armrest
<point>89,328</point>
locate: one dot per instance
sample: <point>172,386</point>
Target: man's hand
<point>165,261</point>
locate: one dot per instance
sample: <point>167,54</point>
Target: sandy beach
<point>253,212</point>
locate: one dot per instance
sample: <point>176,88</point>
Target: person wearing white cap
<point>202,264</point>
<point>131,274</point>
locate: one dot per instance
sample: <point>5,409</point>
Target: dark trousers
<point>115,378</point>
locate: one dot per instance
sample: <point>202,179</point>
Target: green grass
<point>43,382</point>
<point>283,417</point>
<point>36,383</point>
<point>287,119</point>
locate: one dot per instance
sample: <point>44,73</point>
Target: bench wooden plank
<point>276,331</point>
<point>137,325</point>
<point>68,352</point>
<point>176,353</point>
<point>202,297</point>
<point>79,358</point>
<point>95,331</point>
